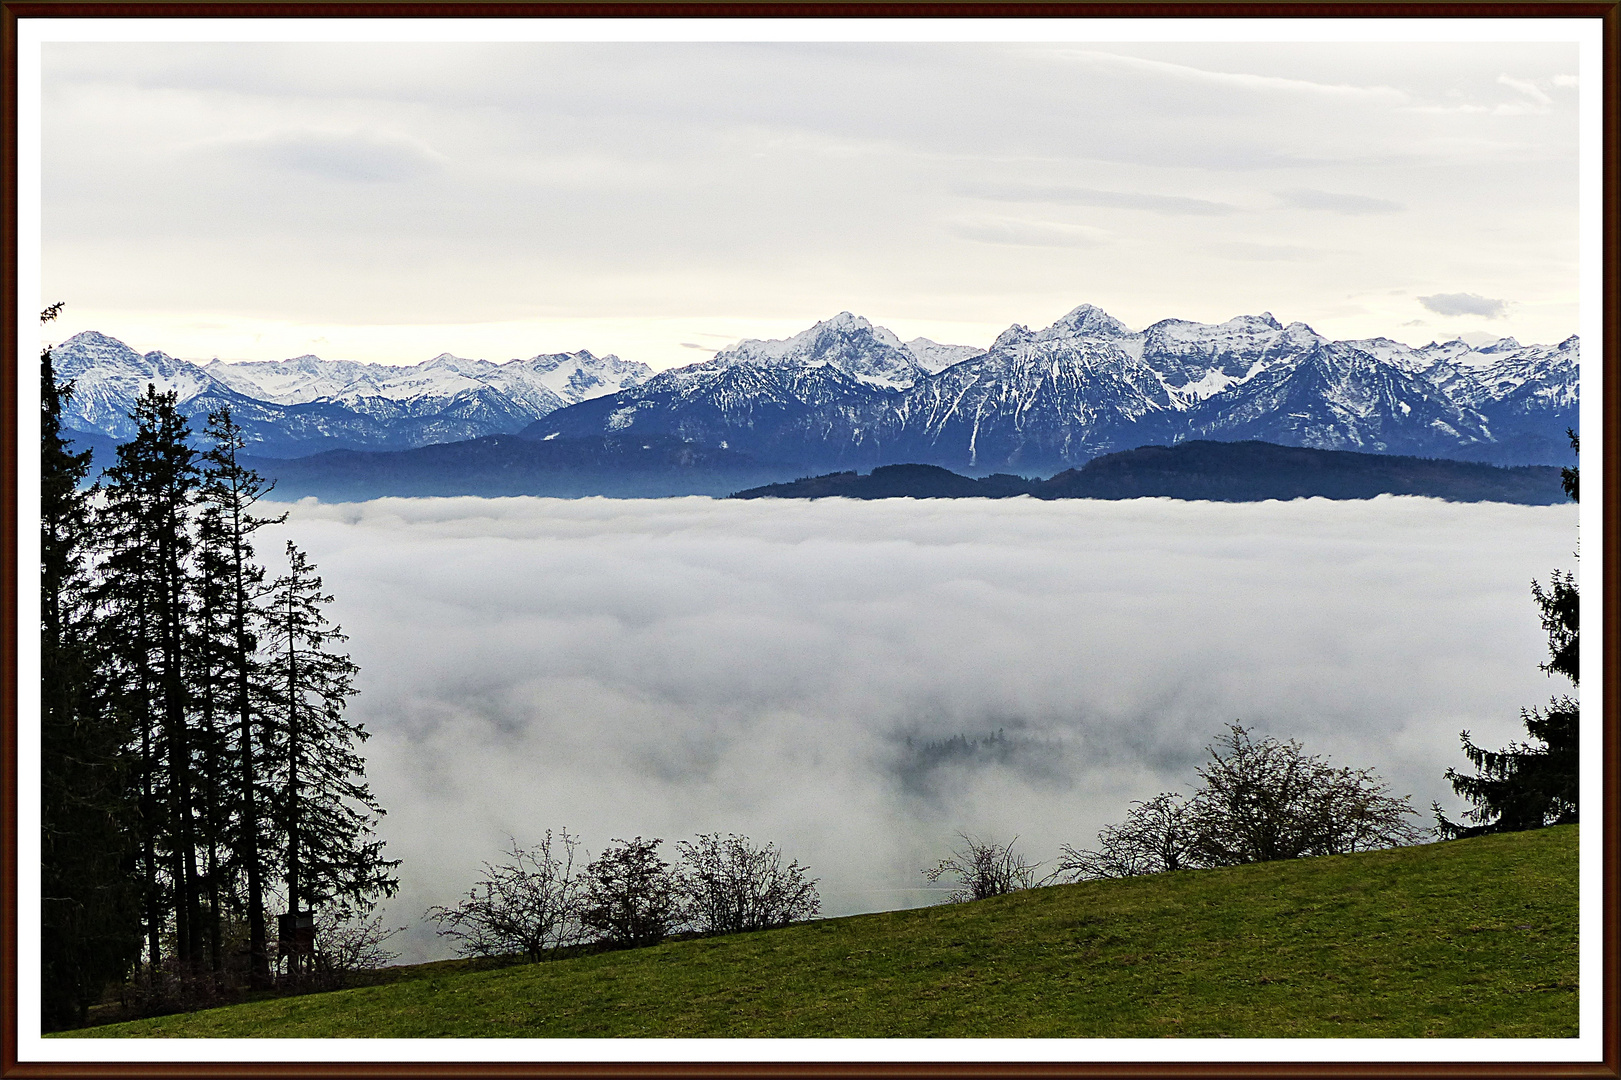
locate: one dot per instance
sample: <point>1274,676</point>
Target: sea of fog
<point>859,682</point>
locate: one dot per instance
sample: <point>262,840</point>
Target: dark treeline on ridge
<point>1248,471</point>
<point>198,771</point>
<point>661,465</point>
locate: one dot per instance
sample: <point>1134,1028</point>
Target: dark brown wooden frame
<point>1608,11</point>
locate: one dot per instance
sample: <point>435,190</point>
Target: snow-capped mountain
<point>846,342</point>
<point>933,357</point>
<point>108,376</point>
<point>1043,396</point>
<point>541,383</point>
<point>846,393</point>
<point>1197,360</point>
<point>308,404</point>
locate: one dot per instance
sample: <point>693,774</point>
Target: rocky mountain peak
<point>1013,335</point>
<point>847,342</point>
<point>1087,321</point>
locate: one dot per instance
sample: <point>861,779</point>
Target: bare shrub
<point>1264,800</point>
<point>1157,836</point>
<point>984,870</point>
<point>727,886</point>
<point>630,894</point>
<point>530,904</point>
<point>347,947</point>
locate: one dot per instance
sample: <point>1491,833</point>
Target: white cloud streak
<point>675,666</point>
<point>1453,304</point>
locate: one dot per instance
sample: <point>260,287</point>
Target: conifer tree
<point>150,495</point>
<point>1529,785</point>
<point>325,811</point>
<point>232,585</point>
<point>89,933</point>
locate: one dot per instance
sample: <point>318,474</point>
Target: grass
<point>1473,938</point>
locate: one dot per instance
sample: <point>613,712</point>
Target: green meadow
<point>1468,939</point>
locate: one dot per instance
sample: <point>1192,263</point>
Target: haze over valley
<point>801,672</point>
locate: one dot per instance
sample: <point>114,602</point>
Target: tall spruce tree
<point>1529,785</point>
<point>231,591</point>
<point>89,933</point>
<point>208,657</point>
<point>194,727</point>
<point>326,813</point>
<point>147,594</point>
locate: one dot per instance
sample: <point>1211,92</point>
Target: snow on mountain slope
<point>934,357</point>
<point>108,376</point>
<point>1338,397</point>
<point>848,393</point>
<point>1088,384</point>
<point>578,376</point>
<point>306,403</point>
<point>1033,401</point>
<point>291,382</point>
<point>870,354</point>
<point>541,383</point>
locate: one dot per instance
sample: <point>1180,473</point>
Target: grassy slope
<point>1471,938</point>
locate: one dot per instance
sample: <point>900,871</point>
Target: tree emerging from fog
<point>1530,785</point>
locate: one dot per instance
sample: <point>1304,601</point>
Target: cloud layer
<point>391,201</point>
<point>801,671</point>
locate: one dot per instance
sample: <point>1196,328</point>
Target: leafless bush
<point>985,869</point>
<point>1262,799</point>
<point>630,894</point>
<point>1157,835</point>
<point>727,886</point>
<point>1265,799</point>
<point>530,904</point>
<point>346,947</point>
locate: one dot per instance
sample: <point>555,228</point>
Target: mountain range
<point>289,408</point>
<point>847,394</point>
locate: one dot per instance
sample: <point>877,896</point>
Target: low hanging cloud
<point>1465,304</point>
<point>859,681</point>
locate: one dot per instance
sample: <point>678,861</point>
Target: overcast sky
<point>388,202</point>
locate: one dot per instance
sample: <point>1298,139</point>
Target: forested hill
<point>1247,471</point>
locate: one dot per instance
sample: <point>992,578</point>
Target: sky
<point>660,200</point>
<point>779,669</point>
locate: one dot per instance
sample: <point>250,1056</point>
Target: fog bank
<point>801,671</point>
